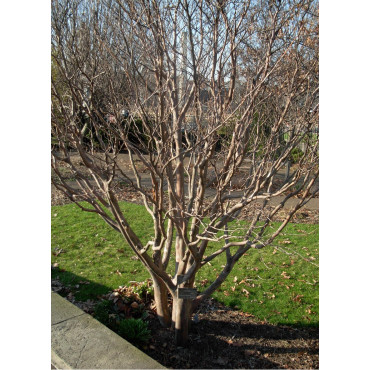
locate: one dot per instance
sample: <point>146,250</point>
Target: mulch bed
<point>223,338</point>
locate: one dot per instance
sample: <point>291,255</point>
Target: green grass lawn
<point>267,283</point>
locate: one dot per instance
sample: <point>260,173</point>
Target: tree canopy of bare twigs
<point>194,92</point>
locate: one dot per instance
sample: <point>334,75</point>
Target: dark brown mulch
<point>224,338</point>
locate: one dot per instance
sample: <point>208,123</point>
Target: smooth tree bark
<point>203,96</point>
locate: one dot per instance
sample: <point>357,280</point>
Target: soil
<point>220,337</point>
<point>223,338</point>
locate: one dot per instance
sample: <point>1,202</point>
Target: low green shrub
<point>295,155</point>
<point>101,312</point>
<point>144,289</point>
<point>134,330</point>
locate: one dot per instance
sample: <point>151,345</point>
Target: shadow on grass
<point>65,282</point>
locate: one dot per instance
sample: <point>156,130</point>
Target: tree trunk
<point>181,320</point>
<point>161,301</point>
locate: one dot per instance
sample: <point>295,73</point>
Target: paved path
<point>78,341</point>
<point>123,160</point>
<point>312,204</point>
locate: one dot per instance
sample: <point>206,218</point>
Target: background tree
<point>210,87</point>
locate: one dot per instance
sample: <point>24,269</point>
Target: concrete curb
<point>78,341</point>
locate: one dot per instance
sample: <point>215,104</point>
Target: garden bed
<point>227,338</point>
<point>219,337</point>
<point>265,315</point>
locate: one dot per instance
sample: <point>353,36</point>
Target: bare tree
<point>210,87</point>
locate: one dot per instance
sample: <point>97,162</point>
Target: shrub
<point>101,312</point>
<point>295,155</point>
<point>144,289</point>
<point>134,330</point>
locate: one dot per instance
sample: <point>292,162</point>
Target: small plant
<point>144,289</point>
<point>102,311</point>
<point>295,155</point>
<point>134,330</point>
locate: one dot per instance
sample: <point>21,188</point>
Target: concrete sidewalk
<point>78,341</point>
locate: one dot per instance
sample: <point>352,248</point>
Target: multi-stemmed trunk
<point>181,311</point>
<point>161,301</point>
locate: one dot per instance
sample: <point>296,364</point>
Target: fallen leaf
<point>235,279</point>
<point>58,251</point>
<point>285,242</point>
<point>246,292</point>
<point>284,275</point>
<point>204,282</point>
<point>297,298</point>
